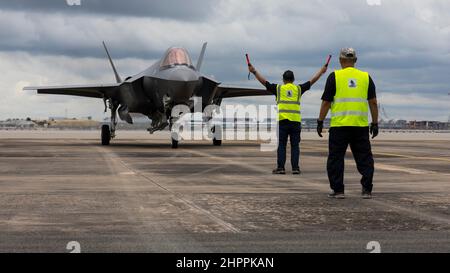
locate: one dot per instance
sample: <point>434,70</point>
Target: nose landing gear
<point>216,130</point>
<point>217,142</point>
<point>174,144</point>
<point>175,132</point>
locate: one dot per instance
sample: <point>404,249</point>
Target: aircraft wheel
<point>106,135</point>
<point>174,143</point>
<point>217,135</point>
<point>174,136</point>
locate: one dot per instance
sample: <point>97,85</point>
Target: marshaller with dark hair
<point>288,97</point>
<point>288,76</point>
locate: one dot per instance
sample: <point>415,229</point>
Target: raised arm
<point>319,74</point>
<point>258,76</point>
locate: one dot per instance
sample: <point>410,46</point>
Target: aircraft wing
<point>232,92</point>
<point>92,91</point>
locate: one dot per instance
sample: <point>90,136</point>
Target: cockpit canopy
<point>176,56</point>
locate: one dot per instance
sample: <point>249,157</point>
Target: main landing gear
<point>106,134</point>
<point>109,130</point>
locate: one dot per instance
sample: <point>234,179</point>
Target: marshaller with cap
<point>350,95</point>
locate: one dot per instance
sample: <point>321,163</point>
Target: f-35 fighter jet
<point>173,80</point>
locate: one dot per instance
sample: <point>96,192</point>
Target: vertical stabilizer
<point>112,64</point>
<point>200,58</point>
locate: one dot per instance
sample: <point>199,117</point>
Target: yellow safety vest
<point>350,106</point>
<point>289,102</point>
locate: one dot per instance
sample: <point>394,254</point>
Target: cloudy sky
<point>403,44</point>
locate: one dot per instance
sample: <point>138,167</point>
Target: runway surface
<point>139,195</point>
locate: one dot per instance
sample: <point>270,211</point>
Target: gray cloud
<point>403,44</point>
<point>196,10</point>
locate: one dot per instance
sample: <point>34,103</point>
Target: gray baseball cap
<point>347,53</point>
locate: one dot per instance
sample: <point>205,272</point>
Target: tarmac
<point>139,195</point>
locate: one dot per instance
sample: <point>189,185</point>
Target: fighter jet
<point>171,81</point>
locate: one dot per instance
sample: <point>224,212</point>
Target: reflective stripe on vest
<point>350,100</point>
<point>349,113</point>
<point>350,106</point>
<point>289,102</point>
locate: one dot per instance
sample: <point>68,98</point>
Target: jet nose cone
<point>183,74</point>
<point>179,83</point>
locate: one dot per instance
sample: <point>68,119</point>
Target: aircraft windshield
<point>176,56</point>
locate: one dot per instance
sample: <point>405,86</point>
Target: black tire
<point>174,143</point>
<point>106,135</point>
<point>217,135</point>
<point>217,142</point>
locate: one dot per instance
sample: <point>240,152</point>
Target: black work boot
<point>366,194</point>
<point>336,195</point>
<point>279,171</point>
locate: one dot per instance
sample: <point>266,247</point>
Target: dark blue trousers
<point>292,130</point>
<point>358,139</point>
